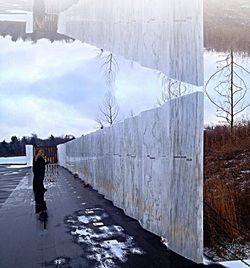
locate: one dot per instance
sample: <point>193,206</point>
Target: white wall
<point>61,154</point>
<point>19,160</point>
<point>29,155</point>
<point>166,35</point>
<point>152,167</point>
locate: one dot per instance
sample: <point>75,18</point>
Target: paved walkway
<point>83,228</point>
<point>9,179</point>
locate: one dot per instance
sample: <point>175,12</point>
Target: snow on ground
<point>242,250</point>
<point>228,264</point>
<point>245,171</point>
<point>105,245</point>
<point>206,260</point>
<point>235,264</point>
<point>17,166</point>
<point>17,160</point>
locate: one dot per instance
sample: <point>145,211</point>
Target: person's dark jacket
<point>39,172</point>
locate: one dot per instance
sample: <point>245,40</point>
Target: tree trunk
<point>232,91</point>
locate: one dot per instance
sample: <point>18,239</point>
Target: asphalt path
<point>9,179</point>
<point>83,229</point>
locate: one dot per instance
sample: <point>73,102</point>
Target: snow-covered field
<point>18,160</point>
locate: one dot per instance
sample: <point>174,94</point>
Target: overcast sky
<point>56,88</point>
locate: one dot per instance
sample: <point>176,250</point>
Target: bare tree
<point>99,123</point>
<point>230,89</point>
<point>109,66</point>
<point>171,89</point>
<point>109,110</point>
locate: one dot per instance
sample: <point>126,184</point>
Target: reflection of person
<point>38,187</point>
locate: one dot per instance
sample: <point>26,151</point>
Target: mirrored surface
<point>53,83</point>
<point>166,35</point>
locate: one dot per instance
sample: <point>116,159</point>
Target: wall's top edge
<point>198,94</point>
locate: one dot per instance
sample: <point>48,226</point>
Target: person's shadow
<point>41,208</point>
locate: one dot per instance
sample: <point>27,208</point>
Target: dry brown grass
<point>220,211</point>
<point>227,183</point>
<point>226,142</point>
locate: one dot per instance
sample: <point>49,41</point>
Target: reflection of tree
<point>226,25</point>
<point>222,38</point>
<point>14,29</point>
<point>45,23</point>
<point>230,89</point>
<point>109,66</point>
<point>17,31</point>
<point>172,89</point>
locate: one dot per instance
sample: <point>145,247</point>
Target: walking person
<point>38,187</point>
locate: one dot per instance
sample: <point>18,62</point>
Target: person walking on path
<point>39,164</point>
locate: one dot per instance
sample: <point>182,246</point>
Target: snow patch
<point>105,245</point>
<point>93,209</point>
<point>17,166</point>
<point>118,249</point>
<point>24,184</point>
<point>83,219</point>
<point>164,241</point>
<point>245,171</point>
<point>98,224</point>
<point>235,264</point>
<point>90,212</point>
<point>18,160</point>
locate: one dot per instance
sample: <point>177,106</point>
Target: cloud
<point>27,62</point>
<point>32,115</point>
<point>48,88</point>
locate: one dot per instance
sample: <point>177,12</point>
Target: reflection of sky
<point>56,88</point>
